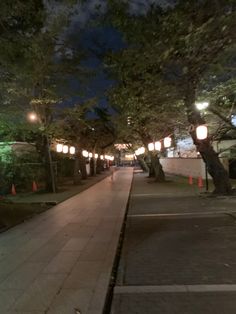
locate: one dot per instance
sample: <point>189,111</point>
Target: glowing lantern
<point>167,141</point>
<point>32,116</point>
<point>201,132</point>
<point>65,149</point>
<point>59,148</point>
<point>101,157</point>
<point>85,153</point>
<point>90,155</point>
<point>96,156</point>
<point>158,146</point>
<point>150,147</point>
<point>72,150</point>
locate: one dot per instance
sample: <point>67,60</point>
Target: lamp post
<point>33,117</point>
<point>202,133</point>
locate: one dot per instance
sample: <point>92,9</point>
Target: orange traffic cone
<point>200,183</point>
<point>190,180</point>
<point>34,187</point>
<point>13,189</point>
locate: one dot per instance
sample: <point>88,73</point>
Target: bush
<point>19,170</point>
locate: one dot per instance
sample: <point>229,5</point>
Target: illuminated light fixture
<point>59,148</point>
<point>85,153</point>
<point>107,157</point>
<point>101,157</point>
<point>96,156</point>
<point>140,151</point>
<point>72,150</point>
<point>233,119</point>
<point>201,132</point>
<point>65,149</point>
<point>32,116</point>
<point>90,155</point>
<point>111,158</point>
<point>167,142</point>
<point>151,147</point>
<point>157,145</point>
<point>202,105</point>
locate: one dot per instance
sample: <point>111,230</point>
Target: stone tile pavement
<point>60,261</point>
<point>179,251</point>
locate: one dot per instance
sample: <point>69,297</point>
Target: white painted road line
<point>181,214</point>
<point>174,288</point>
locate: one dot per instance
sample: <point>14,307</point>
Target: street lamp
<point>202,105</point>
<point>32,116</point>
<point>202,133</point>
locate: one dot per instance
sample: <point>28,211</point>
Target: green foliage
<point>20,170</point>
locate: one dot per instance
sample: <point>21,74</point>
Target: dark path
<point>179,252</point>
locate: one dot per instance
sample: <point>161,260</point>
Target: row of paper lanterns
<point>60,148</point>
<point>154,146</point>
<point>201,133</point>
<point>86,154</point>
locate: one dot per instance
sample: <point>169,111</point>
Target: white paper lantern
<point>65,149</point>
<point>151,147</point>
<point>201,132</point>
<point>59,148</point>
<point>158,145</point>
<point>167,142</point>
<point>72,150</point>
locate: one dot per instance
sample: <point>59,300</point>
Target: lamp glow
<point>59,148</point>
<point>72,150</point>
<point>101,157</point>
<point>157,145</point>
<point>85,153</point>
<point>90,155</point>
<point>65,149</point>
<point>202,105</point>
<point>96,156</point>
<point>167,142</point>
<point>201,132</point>
<point>151,147</point>
<point>32,116</point>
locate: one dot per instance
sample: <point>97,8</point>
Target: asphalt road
<point>178,254</point>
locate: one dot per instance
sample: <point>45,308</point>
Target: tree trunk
<point>143,164</point>
<point>99,165</point>
<point>50,182</point>
<point>157,167</point>
<point>210,157</point>
<point>82,166</point>
<point>76,176</point>
<point>92,167</point>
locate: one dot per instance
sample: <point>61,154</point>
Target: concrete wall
<point>194,167</point>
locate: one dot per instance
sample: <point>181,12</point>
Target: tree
<point>179,44</point>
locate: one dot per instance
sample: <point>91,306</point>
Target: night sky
<point>97,41</point>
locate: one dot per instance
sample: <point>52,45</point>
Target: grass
<point>12,214</point>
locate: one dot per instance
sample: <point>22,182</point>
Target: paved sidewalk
<point>179,251</point>
<point>65,191</point>
<point>60,262</point>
